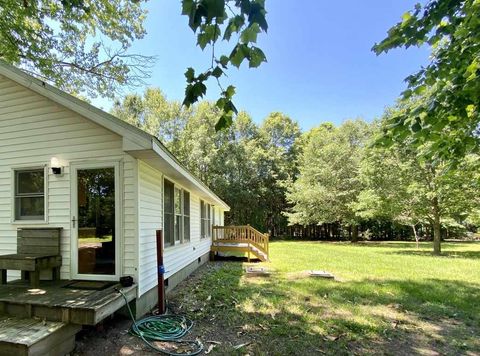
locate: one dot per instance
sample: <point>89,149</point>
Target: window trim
<point>206,222</point>
<point>13,219</point>
<point>186,216</point>
<point>182,240</point>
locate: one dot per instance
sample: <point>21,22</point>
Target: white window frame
<point>177,239</point>
<point>206,221</point>
<point>186,216</point>
<point>182,240</point>
<point>14,219</point>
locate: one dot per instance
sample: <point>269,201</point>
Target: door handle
<point>73,221</point>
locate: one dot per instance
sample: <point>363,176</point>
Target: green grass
<point>390,298</point>
<point>93,239</point>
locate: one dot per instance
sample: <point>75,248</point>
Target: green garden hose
<point>163,328</point>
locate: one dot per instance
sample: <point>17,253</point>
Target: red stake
<point>161,272</point>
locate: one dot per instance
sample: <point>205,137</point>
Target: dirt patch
<point>112,337</point>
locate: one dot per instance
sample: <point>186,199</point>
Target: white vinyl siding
<point>150,219</point>
<point>34,129</point>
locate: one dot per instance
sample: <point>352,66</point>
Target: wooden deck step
<point>243,238</point>
<point>52,301</point>
<point>33,336</point>
<point>220,246</point>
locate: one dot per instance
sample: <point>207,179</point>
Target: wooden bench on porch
<point>37,249</point>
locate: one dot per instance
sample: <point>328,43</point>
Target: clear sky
<point>320,64</point>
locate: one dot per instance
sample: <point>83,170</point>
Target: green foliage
<point>402,183</point>
<point>244,19</point>
<point>448,115</point>
<point>328,182</point>
<point>61,41</point>
<point>244,164</point>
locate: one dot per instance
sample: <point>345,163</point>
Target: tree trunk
<point>416,235</point>
<point>436,228</point>
<point>354,233</point>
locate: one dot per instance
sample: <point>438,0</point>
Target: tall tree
<point>81,46</point>
<point>155,114</point>
<point>244,164</point>
<point>449,117</point>
<point>402,185</point>
<point>278,164</point>
<point>61,41</point>
<point>328,184</point>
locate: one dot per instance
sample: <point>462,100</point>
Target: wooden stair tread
<point>33,336</point>
<point>26,331</point>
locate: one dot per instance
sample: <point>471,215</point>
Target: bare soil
<point>112,336</point>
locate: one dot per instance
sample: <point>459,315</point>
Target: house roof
<point>136,142</point>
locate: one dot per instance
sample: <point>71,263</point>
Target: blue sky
<point>320,64</point>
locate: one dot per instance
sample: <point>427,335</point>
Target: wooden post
<point>34,278</point>
<point>161,272</point>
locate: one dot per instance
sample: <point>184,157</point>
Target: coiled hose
<point>169,328</point>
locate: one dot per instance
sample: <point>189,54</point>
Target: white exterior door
<point>95,221</point>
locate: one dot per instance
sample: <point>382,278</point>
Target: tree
<point>277,165</point>
<point>388,193</point>
<point>448,118</point>
<point>328,183</point>
<point>155,114</point>
<point>61,42</point>
<point>64,43</point>
<point>400,184</point>
<point>244,164</point>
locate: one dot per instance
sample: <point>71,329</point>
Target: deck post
<point>34,278</point>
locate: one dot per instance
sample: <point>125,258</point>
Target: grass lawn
<point>389,299</point>
<point>93,239</point>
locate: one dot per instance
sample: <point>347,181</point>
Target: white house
<point>107,184</point>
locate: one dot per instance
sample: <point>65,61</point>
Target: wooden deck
<point>53,302</point>
<point>243,239</point>
<point>23,336</point>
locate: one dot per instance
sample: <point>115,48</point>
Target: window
<point>186,216</point>
<point>202,219</point>
<point>30,194</point>
<point>213,216</point>
<point>177,214</point>
<point>168,209</point>
<point>205,219</point>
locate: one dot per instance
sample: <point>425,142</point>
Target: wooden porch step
<point>52,301</point>
<point>243,238</point>
<point>33,336</point>
<point>239,247</point>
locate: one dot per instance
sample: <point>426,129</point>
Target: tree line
<point>341,179</point>
<point>246,164</point>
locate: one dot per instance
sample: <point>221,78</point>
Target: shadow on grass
<point>445,253</point>
<point>305,316</point>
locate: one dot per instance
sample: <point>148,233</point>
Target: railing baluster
<point>242,234</point>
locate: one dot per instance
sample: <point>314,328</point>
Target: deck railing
<point>241,234</point>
